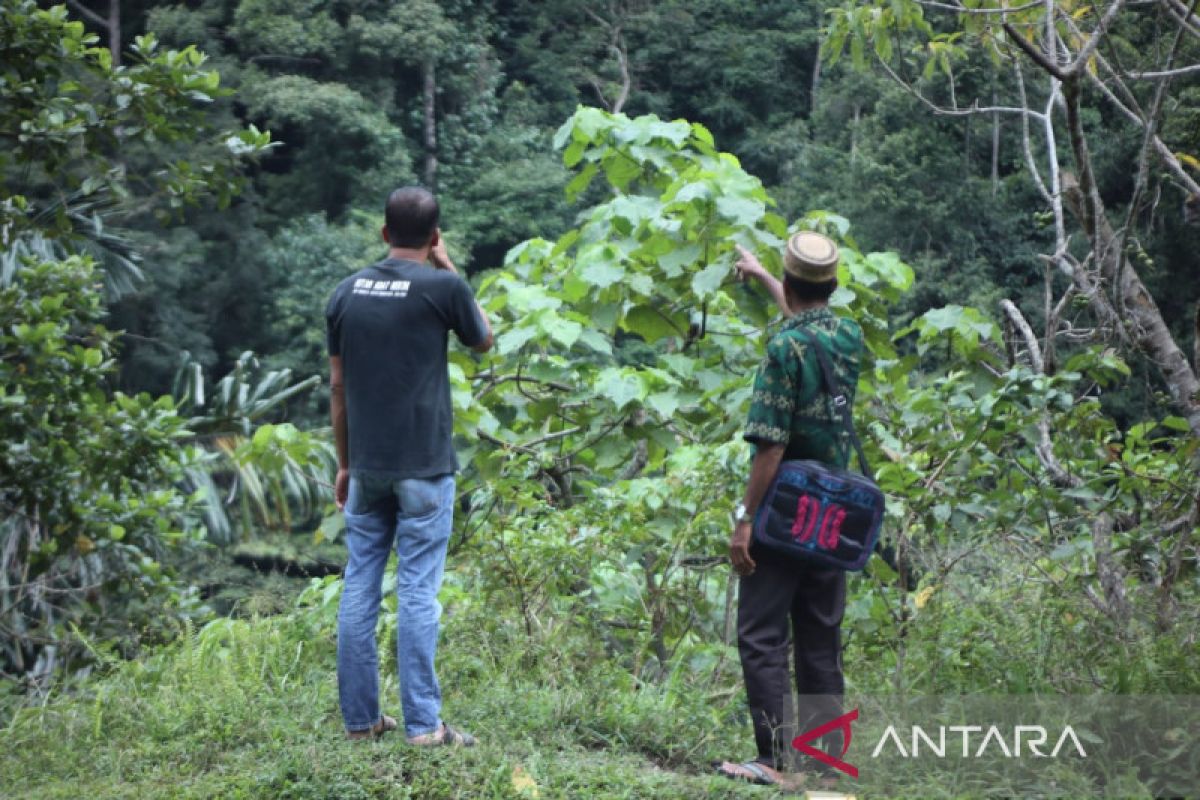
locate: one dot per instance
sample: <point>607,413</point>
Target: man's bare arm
<point>337,416</point>
<point>762,471</point>
<point>748,266</point>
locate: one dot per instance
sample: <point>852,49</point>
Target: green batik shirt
<point>790,404</point>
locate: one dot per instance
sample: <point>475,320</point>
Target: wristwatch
<point>740,515</point>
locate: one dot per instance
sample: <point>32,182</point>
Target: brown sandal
<point>445,737</point>
<point>376,731</point>
<point>750,771</point>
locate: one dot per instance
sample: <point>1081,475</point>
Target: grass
<point>248,709</point>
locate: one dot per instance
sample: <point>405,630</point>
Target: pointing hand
<point>748,266</point>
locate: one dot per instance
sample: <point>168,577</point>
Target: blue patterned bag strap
<point>840,400</point>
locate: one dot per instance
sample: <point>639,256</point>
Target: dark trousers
<point>781,594</point>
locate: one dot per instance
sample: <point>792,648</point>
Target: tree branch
<point>1143,171</point>
<point>961,9</point>
<point>1183,15</point>
<point>1045,446</point>
<point>623,65</point>
<point>1026,144</point>
<point>1168,73</point>
<point>1164,152</point>
<point>599,92</point>
<point>87,13</point>
<point>1085,52</point>
<point>953,111</point>
<point>1038,56</point>
<point>1018,320</point>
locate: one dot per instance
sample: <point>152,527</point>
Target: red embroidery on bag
<point>806,519</point>
<point>831,527</point>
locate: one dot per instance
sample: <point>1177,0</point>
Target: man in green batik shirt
<point>792,417</point>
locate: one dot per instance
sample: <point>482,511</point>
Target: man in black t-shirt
<point>388,327</point>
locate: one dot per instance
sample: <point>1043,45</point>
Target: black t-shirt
<point>388,323</point>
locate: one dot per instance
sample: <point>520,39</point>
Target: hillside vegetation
<point>182,185</point>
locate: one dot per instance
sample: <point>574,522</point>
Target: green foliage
<point>652,264</point>
<point>274,475</point>
<point>245,709</point>
<point>1016,568</point>
<point>300,30</point>
<point>317,118</point>
<point>86,478</point>
<point>306,260</point>
<point>89,500</point>
<point>69,111</point>
<point>1042,545</point>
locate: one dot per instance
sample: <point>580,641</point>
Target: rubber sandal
<point>448,737</point>
<point>760,776</point>
<point>385,725</point>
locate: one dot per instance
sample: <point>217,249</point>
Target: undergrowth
<point>248,709</point>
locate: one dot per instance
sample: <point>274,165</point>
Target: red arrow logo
<point>842,723</point>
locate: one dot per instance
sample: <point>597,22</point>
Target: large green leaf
<point>709,279</point>
<point>677,260</point>
<point>620,386</point>
<point>653,324</point>
<point>599,266</point>
<point>744,211</point>
<point>563,331</point>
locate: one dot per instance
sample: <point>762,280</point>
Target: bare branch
<point>1061,241</point>
<point>1061,306</point>
<point>599,92</point>
<point>1176,168</point>
<point>1143,171</point>
<point>621,51</point>
<point>953,111</point>
<point>961,9</point>
<point>1038,57</point>
<point>1030,162</point>
<point>495,380</point>
<point>1138,118</point>
<point>1018,320</point>
<point>1188,520</point>
<point>1045,446</point>
<point>1085,52</point>
<point>1168,73</point>
<point>623,65</point>
<point>1183,15</point>
<point>87,13</point>
<point>601,21</point>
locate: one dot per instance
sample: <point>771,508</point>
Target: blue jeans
<point>416,515</point>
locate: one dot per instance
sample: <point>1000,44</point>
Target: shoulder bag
<point>818,513</point>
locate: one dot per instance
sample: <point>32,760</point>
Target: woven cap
<point>811,257</point>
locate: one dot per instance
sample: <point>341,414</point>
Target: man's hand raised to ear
<point>439,258</point>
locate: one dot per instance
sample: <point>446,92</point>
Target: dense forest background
<point>184,183</point>
<point>464,97</point>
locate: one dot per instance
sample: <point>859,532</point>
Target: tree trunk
<point>854,135</point>
<point>995,146</point>
<point>1138,312</point>
<point>1196,341</point>
<point>967,148</point>
<point>816,83</point>
<point>114,31</point>
<point>112,23</point>
<point>430,127</point>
